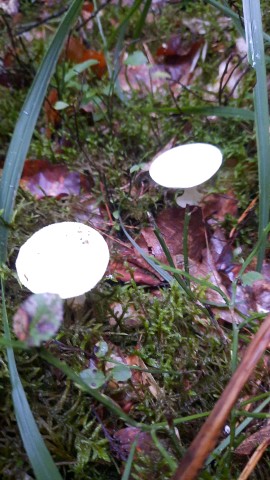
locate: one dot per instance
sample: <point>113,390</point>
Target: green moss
<point>183,350</point>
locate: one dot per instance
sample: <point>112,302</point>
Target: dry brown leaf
<point>126,436</point>
<point>253,461</point>
<point>217,206</point>
<point>143,378</point>
<point>250,443</point>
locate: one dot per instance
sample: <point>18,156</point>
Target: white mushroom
<point>67,258</point>
<point>186,167</point>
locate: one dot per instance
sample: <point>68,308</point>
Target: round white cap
<point>186,166</point>
<point>67,258</point>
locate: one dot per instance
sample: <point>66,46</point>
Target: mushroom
<point>67,258</point>
<point>186,167</point>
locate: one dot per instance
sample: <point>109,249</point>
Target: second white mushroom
<point>186,167</point>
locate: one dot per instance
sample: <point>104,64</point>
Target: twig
<point>37,24</point>
<point>206,439</point>
<point>251,464</point>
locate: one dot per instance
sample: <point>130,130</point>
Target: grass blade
<point>225,112</point>
<point>254,40</point>
<point>24,128</point>
<point>230,13</point>
<point>38,454</point>
<point>141,21</point>
<point>165,275</point>
<point>128,466</point>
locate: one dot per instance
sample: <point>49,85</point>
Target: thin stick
<point>251,464</point>
<point>207,437</point>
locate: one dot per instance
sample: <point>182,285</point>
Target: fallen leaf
<point>143,378</point>
<point>130,316</point>
<point>38,318</point>
<point>127,263</point>
<point>171,222</point>
<point>52,116</point>
<point>125,438</point>
<point>144,78</point>
<point>76,52</point>
<point>41,178</point>
<point>218,205</point>
<point>250,443</point>
<point>85,208</point>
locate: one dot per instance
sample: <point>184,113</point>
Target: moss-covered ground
<point>186,354</point>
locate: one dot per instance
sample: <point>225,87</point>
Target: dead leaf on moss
<point>41,178</point>
<point>127,436</point>
<point>127,263</point>
<point>76,52</point>
<point>252,442</point>
<point>143,378</point>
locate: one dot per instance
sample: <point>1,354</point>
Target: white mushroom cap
<point>67,258</point>
<point>186,166</point>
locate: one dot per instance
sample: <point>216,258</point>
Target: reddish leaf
<point>178,60</point>
<point>173,48</point>
<point>52,116</point>
<point>217,206</point>
<point>86,209</point>
<point>42,178</point>
<point>141,271</point>
<point>171,224</point>
<point>87,7</point>
<point>126,436</point>
<point>76,52</point>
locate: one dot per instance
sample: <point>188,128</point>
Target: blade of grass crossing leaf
<point>185,239</point>
<point>162,271</point>
<point>38,454</point>
<point>166,276</point>
<point>128,467</point>
<point>254,39</point>
<point>105,44</point>
<point>24,128</point>
<point>199,281</point>
<point>119,34</point>
<point>169,258</point>
<point>225,112</point>
<point>169,460</point>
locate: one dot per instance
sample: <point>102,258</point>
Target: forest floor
<point>161,74</point>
